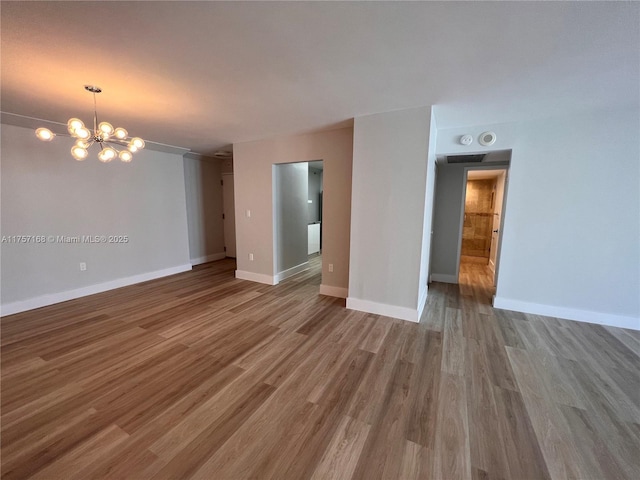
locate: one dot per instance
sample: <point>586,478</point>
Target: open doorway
<point>298,194</point>
<point>481,227</point>
<point>475,268</point>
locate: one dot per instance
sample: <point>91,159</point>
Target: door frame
<point>504,167</point>
<point>226,210</point>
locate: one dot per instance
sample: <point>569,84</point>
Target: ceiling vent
<point>223,154</point>
<point>466,158</point>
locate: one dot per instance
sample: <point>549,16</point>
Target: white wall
<point>253,187</point>
<point>390,154</point>
<point>291,184</point>
<point>570,242</point>
<point>448,212</point>
<point>427,231</point>
<point>46,192</point>
<point>203,190</point>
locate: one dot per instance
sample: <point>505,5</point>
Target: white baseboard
<point>256,277</point>
<point>587,316</point>
<point>50,299</point>
<point>444,278</point>
<point>422,302</point>
<point>330,291</point>
<point>289,272</point>
<point>394,311</point>
<point>208,258</point>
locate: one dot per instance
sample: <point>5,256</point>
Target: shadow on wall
<point>203,188</point>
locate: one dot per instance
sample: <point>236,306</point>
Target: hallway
<point>476,279</point>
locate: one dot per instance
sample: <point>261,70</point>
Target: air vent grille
<point>465,158</point>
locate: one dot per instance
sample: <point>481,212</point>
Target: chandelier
<point>113,142</point>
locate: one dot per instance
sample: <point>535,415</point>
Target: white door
<point>495,231</point>
<point>501,183</point>
<point>229,215</point>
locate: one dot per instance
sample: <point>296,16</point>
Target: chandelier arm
<point>117,141</point>
<point>95,114</point>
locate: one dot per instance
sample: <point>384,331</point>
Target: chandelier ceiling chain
<point>111,140</point>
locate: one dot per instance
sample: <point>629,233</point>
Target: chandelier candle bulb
<point>45,134</point>
<point>79,153</point>
<point>121,133</point>
<point>73,124</point>
<point>137,142</point>
<point>105,127</point>
<point>113,142</point>
<point>83,133</point>
<point>107,154</point>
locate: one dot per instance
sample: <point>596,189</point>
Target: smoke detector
<point>487,138</point>
<point>466,140</point>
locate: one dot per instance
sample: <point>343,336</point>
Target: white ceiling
<point>203,75</point>
<point>483,174</point>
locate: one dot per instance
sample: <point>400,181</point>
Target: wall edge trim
<point>208,258</point>
<point>256,277</point>
<point>422,302</point>
<point>331,291</point>
<point>444,278</point>
<point>58,297</point>
<point>289,272</point>
<point>403,313</point>
<point>586,316</point>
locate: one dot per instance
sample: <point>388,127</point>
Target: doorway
<point>481,227</point>
<point>297,222</point>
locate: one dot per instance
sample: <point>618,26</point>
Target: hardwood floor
<point>202,376</point>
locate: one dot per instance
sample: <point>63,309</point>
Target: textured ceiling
<point>203,75</point>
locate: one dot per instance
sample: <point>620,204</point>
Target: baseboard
<point>422,302</point>
<point>394,311</point>
<point>208,258</point>
<point>587,316</point>
<point>330,291</point>
<point>50,299</point>
<point>256,277</point>
<point>443,278</point>
<point>289,272</point>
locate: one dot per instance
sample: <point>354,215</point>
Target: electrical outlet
<point>251,257</point>
<point>331,268</point>
<point>83,266</point>
<point>248,213</point>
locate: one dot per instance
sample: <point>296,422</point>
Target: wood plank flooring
<point>203,376</point>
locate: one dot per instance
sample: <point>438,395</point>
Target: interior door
<point>495,232</point>
<point>500,190</point>
<point>229,215</point>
